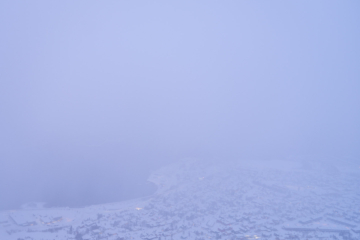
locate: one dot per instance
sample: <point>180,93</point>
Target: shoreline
<point>45,208</point>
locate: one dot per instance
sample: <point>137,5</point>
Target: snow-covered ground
<point>297,199</point>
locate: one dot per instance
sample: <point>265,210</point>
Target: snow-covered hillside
<point>199,200</point>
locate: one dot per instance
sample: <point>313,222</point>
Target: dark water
<point>78,191</point>
<point>107,193</point>
<point>66,175</point>
<point>75,180</point>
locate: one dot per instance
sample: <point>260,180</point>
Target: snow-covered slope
<point>198,200</point>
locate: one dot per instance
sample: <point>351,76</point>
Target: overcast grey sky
<point>153,81</point>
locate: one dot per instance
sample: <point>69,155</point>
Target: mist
<point>96,94</point>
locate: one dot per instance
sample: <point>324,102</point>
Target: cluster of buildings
<point>196,200</point>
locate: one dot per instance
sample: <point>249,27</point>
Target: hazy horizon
<point>112,90</point>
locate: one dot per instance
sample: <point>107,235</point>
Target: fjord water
<point>76,180</point>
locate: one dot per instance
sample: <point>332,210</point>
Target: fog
<point>94,95</point>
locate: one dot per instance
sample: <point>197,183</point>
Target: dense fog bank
<point>95,96</point>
